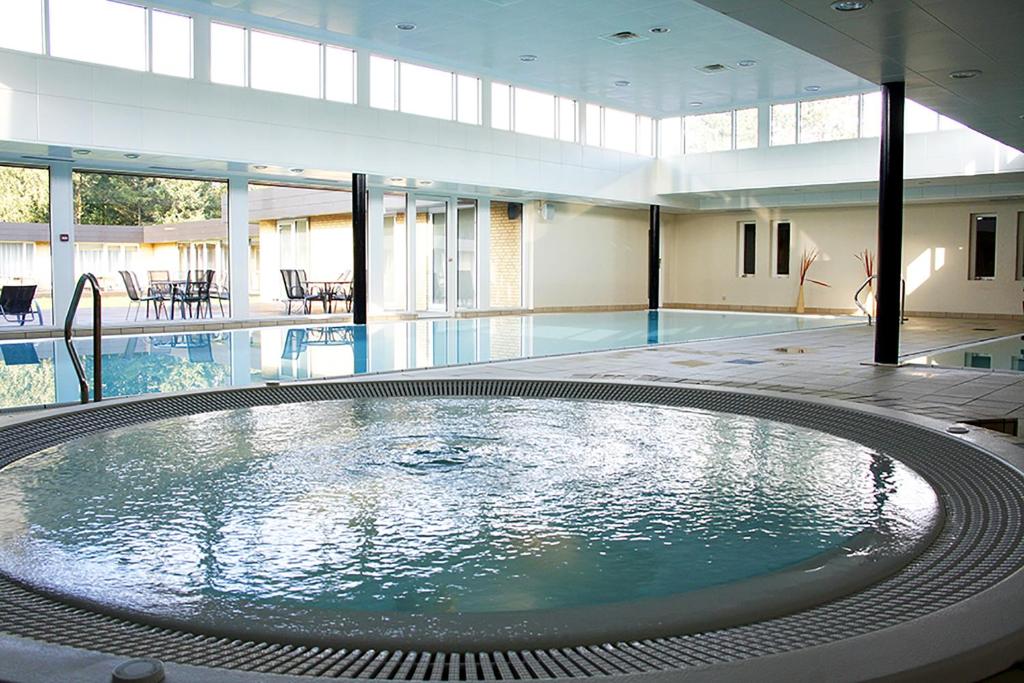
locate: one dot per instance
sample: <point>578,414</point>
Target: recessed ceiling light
<point>964,74</point>
<point>850,5</point>
<point>622,84</point>
<point>747,63</point>
<point>131,156</point>
<point>260,167</point>
<point>296,170</point>
<point>396,180</point>
<point>406,26</point>
<point>659,29</point>
<point>812,88</point>
<point>83,152</point>
<point>425,183</point>
<point>527,58</point>
<point>696,104</point>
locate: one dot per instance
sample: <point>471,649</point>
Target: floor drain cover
<point>984,329</point>
<point>791,349</point>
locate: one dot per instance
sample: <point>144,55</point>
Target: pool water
<point>437,505</point>
<point>1006,354</point>
<point>40,373</point>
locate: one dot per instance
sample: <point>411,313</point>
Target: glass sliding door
<point>395,262</point>
<point>307,229</point>
<point>431,255</point>
<point>467,253</point>
<point>25,244</point>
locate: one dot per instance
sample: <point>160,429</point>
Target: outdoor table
<point>326,287</point>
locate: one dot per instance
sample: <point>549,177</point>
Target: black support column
<point>890,226</point>
<point>654,259</point>
<point>359,248</point>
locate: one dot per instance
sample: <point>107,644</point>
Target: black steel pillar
<point>359,248</point>
<point>890,226</point>
<point>654,258</point>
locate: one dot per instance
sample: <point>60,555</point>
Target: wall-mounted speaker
<point>514,211</point>
<point>547,210</point>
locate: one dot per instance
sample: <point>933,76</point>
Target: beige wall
<point>330,253</point>
<point>701,263</point>
<point>589,256</point>
<point>506,258</point>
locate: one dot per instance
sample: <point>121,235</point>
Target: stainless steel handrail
<point>97,338</point>
<point>903,298</point>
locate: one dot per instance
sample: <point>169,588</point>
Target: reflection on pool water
<point>433,505</point>
<point>1006,354</point>
<point>36,373</point>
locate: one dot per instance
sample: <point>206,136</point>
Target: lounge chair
<point>297,289</point>
<point>18,304</point>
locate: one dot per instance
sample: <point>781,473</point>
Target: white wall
<point>701,258</point>
<point>46,100</point>
<point>589,256</point>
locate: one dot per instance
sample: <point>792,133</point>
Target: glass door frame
<point>451,247</point>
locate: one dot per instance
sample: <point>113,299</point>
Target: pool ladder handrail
<point>97,338</point>
<point>903,298</point>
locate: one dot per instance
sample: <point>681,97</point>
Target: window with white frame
<point>747,248</point>
<point>592,134</point>
<point>281,64</point>
<point>619,130</point>
<point>501,106</point>
<point>228,48</point>
<point>16,259</point>
<point>21,25</point>
<point>782,238</point>
<point>533,112</point>
<point>383,82</point>
<point>746,122</point>
<point>425,91</point>
<point>707,133</point>
<point>339,74</point>
<point>568,128</point>
<point>983,247</point>
<point>670,133</point>
<point>171,44</point>
<point>99,31</point>
<point>783,124</point>
<point>834,118</point>
<point>467,99</point>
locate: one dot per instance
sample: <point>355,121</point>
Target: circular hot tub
<point>419,519</point>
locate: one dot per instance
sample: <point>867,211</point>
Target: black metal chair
<point>196,293</point>
<point>297,289</point>
<point>18,304</point>
<point>221,293</point>
<point>135,296</point>
<point>341,292</point>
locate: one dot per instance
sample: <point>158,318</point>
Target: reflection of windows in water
<point>978,360</point>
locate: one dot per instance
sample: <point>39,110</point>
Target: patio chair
<point>196,293</point>
<point>341,292</point>
<point>159,276</point>
<point>220,293</point>
<point>18,304</point>
<point>135,296</point>
<point>297,289</point>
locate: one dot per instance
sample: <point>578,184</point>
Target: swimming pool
<point>1006,354</point>
<point>40,372</point>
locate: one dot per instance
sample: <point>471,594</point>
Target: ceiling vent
<point>712,68</point>
<point>623,38</point>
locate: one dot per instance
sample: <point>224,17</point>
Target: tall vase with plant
<point>807,259</point>
<point>867,259</point>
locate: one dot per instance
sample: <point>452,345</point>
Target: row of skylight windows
<point>100,31</point>
<point>715,132</point>
<point>133,37</point>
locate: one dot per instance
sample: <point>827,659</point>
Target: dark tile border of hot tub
<point>960,603</point>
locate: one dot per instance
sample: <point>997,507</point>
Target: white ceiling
<point>919,41</point>
<point>486,37</point>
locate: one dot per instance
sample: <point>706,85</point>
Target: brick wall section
<point>506,257</point>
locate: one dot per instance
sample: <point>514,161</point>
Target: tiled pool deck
<point>835,364</point>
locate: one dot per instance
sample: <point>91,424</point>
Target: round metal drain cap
<point>139,671</point>
<point>957,429</point>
